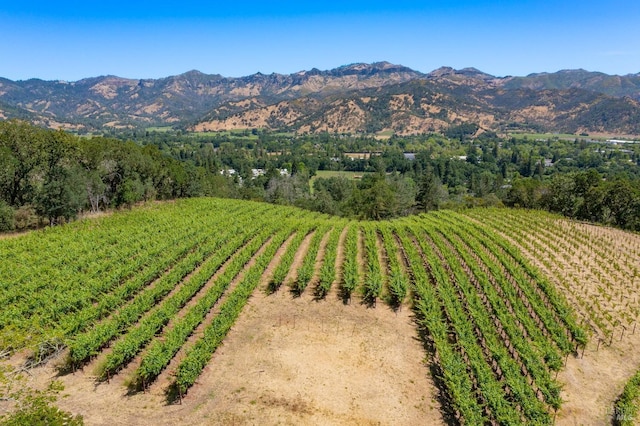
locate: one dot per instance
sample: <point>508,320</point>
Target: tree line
<point>584,195</point>
<point>581,178</point>
<point>53,176</point>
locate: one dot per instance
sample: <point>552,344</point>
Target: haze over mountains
<point>365,98</point>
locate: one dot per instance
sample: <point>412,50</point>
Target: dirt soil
<point>592,383</point>
<point>286,361</point>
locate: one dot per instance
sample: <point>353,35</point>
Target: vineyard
<point>503,301</point>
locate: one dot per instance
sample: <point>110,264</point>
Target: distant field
<point>569,136</point>
<point>160,129</point>
<point>331,173</point>
<point>384,134</point>
<point>339,173</point>
<point>533,136</point>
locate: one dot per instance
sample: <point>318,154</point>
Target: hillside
<point>612,85</point>
<point>434,105</point>
<point>231,311</point>
<point>116,102</point>
<point>353,98</point>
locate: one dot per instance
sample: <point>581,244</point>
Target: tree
<point>21,146</point>
<point>130,192</point>
<point>623,200</point>
<point>96,191</point>
<point>8,165</point>
<point>374,198</point>
<point>562,196</point>
<point>63,194</point>
<point>429,192</point>
<point>482,183</point>
<point>324,203</point>
<point>404,190</point>
<point>338,187</point>
<point>287,189</point>
<point>526,193</point>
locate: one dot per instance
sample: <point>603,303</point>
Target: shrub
<point>35,407</point>
<point>7,219</point>
<point>26,218</point>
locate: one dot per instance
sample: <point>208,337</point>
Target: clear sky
<point>70,40</point>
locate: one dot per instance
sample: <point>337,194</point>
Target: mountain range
<point>356,98</point>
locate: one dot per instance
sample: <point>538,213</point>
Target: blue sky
<point>143,39</point>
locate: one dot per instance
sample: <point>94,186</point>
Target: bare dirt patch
<point>297,361</point>
<point>6,236</point>
<point>286,361</point>
<point>592,383</point>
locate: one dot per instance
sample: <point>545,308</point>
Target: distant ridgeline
<point>357,98</point>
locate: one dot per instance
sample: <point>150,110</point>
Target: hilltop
<point>212,311</point>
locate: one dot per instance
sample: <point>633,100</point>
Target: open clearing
<point>326,174</point>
